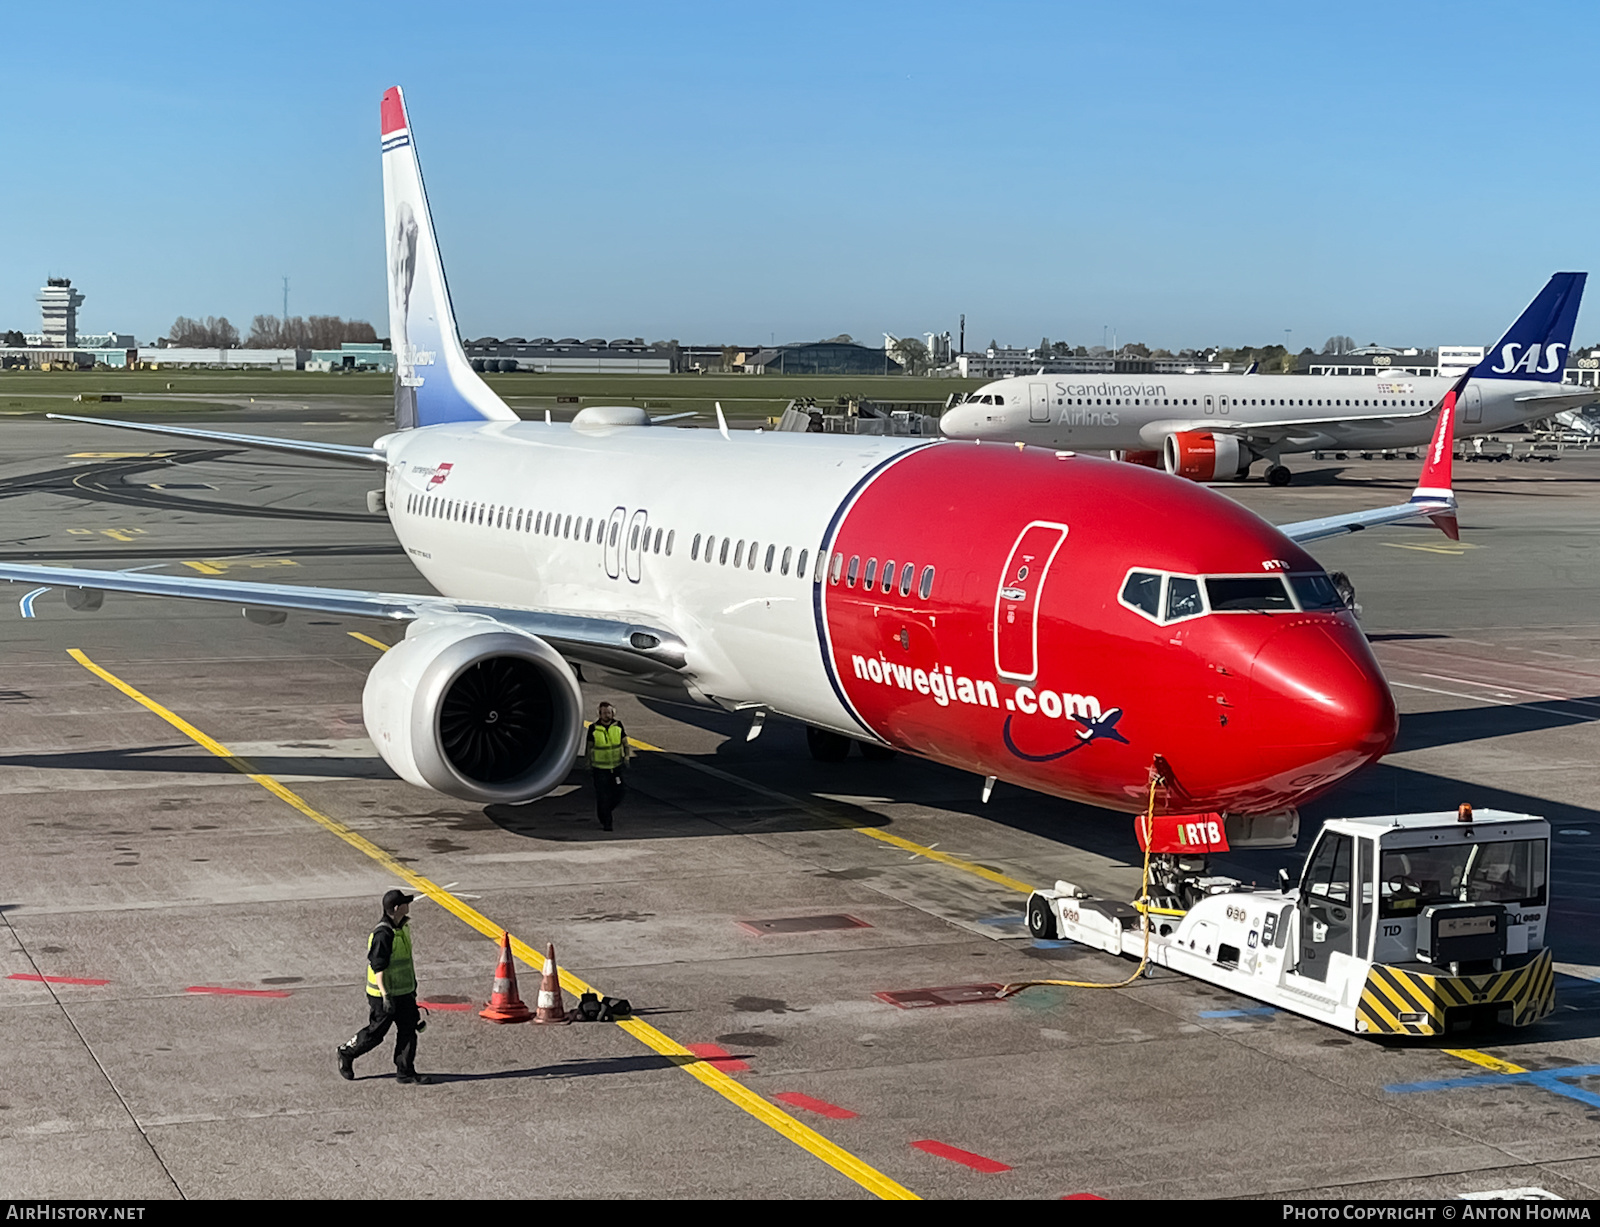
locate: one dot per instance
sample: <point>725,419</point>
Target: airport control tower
<point>59,303</point>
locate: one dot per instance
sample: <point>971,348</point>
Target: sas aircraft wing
<point>1433,496</point>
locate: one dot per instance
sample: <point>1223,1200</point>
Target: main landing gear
<point>829,747</point>
<point>1278,475</point>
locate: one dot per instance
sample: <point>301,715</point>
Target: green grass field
<point>741,396</point>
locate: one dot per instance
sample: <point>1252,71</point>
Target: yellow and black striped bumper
<point>1396,1002</point>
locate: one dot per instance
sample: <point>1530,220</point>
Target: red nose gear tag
<point>1195,834</point>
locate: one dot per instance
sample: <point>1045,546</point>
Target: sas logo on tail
<point>439,475</point>
<point>1528,363</point>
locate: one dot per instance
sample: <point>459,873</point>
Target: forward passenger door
<point>1016,608</point>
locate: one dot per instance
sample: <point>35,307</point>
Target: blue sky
<point>1183,174</point>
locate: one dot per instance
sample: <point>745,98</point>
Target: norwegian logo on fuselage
<point>439,475</point>
<point>945,687</point>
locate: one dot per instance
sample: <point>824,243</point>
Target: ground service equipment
<point>1411,924</point>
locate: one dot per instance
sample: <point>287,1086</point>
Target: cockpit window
<point>1316,592</point>
<point>1143,591</point>
<point>1257,593</point>
<point>1183,598</point>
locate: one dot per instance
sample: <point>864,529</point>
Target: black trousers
<point>608,793</point>
<point>402,1015</point>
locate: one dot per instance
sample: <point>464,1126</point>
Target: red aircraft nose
<point>1318,706</point>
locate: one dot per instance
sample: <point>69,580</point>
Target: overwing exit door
<point>613,532</point>
<point>1016,607</point>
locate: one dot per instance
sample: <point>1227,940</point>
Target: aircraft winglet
<point>1433,496</point>
<point>1434,486</point>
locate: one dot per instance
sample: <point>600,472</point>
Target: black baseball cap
<point>394,898</point>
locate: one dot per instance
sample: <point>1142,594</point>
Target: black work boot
<point>347,1068</point>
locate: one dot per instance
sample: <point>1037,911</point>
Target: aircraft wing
<point>1568,398</point>
<point>1273,431</point>
<point>1433,496</point>
<point>617,643</point>
<point>301,447</point>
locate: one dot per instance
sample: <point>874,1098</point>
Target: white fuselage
<point>484,532</point>
<point>1138,412</point>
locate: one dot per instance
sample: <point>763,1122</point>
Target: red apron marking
<point>445,1005</point>
<point>236,992</point>
<point>55,979</point>
<point>965,1157</point>
<point>821,1107</point>
<point>718,1056</point>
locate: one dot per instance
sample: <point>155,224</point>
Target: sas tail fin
<point>1536,346</point>
<point>433,381</point>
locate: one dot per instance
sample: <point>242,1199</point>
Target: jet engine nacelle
<point>475,710</point>
<point>1200,455</point>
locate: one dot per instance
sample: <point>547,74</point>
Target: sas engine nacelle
<point>1200,455</point>
<point>1149,460</point>
<point>475,710</point>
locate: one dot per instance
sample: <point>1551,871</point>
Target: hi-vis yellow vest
<point>400,977</point>
<point>607,746</point>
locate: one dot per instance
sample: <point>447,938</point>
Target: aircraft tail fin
<point>1536,346</point>
<point>433,381</point>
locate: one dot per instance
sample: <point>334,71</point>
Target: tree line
<point>269,332</point>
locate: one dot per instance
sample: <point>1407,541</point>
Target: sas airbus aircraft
<point>1020,613</point>
<point>1214,427</point>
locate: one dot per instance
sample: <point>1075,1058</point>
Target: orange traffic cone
<point>550,1007</point>
<point>505,1006</point>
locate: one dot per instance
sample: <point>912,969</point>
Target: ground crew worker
<point>609,753</point>
<point>391,994</point>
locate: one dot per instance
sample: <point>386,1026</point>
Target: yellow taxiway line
<point>718,1080</point>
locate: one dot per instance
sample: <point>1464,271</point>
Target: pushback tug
<point>1409,924</point>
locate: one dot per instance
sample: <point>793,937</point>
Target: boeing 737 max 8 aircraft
<point>1214,427</point>
<point>1023,614</point>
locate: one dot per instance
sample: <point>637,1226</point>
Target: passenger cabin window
<point>1254,593</point>
<point>888,576</point>
<point>907,574</point>
<point>872,574</point>
<point>853,571</point>
<point>670,535</point>
<point>925,590</point>
<point>694,549</point>
<point>783,566</point>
